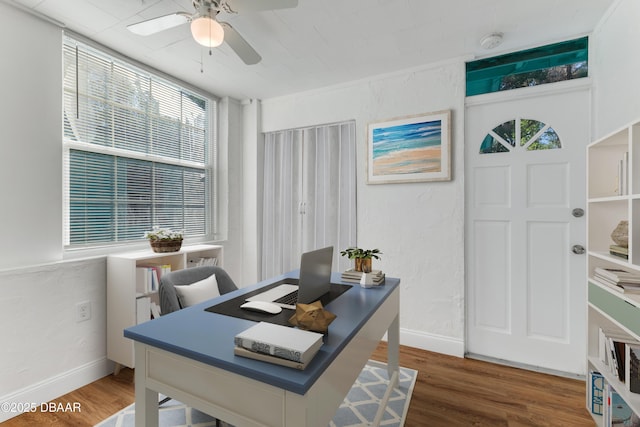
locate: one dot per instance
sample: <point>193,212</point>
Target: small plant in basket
<point>164,239</point>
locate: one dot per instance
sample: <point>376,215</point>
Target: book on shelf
<point>617,275</point>
<point>148,277</point>
<point>280,341</point>
<point>203,262</point>
<point>353,276</point>
<point>596,392</point>
<point>614,352</point>
<point>624,288</point>
<point>241,351</point>
<point>623,175</point>
<point>618,350</point>
<point>619,251</point>
<point>618,279</point>
<point>632,371</point>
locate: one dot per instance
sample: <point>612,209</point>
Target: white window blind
<point>138,151</point>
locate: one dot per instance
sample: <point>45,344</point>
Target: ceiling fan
<point>207,30</point>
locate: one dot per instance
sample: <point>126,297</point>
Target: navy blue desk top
<point>208,337</point>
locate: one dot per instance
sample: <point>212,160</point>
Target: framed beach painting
<point>410,149</point>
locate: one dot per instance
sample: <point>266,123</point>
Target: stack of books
<point>203,262</point>
<point>619,251</point>
<point>278,344</point>
<point>618,279</point>
<point>353,276</point>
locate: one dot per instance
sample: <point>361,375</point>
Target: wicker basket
<point>162,246</point>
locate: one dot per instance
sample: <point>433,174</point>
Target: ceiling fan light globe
<point>207,32</point>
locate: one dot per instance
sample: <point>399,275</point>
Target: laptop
<point>314,282</point>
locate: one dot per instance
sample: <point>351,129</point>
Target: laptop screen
<point>315,274</point>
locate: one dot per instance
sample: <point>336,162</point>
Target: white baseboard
<point>432,342</point>
<point>54,387</point>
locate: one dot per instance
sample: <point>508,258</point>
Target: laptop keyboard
<point>289,299</point>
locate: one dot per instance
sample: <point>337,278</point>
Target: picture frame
<point>410,149</point>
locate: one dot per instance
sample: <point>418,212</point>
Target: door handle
<point>577,249</point>
<point>577,212</point>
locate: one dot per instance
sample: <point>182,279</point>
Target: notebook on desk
<point>314,282</point>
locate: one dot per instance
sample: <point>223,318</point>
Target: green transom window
<point>547,64</point>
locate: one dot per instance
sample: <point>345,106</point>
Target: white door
<point>525,175</point>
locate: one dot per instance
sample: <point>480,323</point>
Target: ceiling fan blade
<point>161,23</point>
<point>239,45</point>
<point>242,6</point>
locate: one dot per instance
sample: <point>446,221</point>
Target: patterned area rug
<point>357,410</point>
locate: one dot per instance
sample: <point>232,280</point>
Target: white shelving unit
<point>610,200</point>
<point>122,295</point>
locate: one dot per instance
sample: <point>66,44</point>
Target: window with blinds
<point>138,151</point>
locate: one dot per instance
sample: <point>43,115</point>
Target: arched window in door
<point>527,134</point>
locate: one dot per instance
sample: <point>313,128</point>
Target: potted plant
<point>361,257</point>
<point>164,239</point>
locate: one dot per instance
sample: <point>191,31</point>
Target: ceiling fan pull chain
<point>211,17</point>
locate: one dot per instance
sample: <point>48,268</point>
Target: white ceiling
<point>324,42</point>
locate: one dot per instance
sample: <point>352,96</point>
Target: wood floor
<point>449,391</point>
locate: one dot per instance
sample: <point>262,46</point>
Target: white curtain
<point>309,195</point>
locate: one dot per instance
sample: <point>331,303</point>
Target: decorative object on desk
<point>410,149</point>
<point>362,257</point>
<point>367,280</point>
<point>312,317</point>
<point>357,410</point>
<point>353,276</point>
<point>164,240</point>
<point>620,234</point>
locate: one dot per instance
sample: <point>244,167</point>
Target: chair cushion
<point>197,292</point>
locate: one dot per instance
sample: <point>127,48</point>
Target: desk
<point>188,355</point>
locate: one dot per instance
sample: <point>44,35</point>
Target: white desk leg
<point>146,399</point>
<point>393,370</point>
<point>393,351</point>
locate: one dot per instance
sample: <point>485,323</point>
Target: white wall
<point>615,67</point>
<point>30,111</point>
<point>419,227</point>
<point>231,200</point>
<point>251,191</point>
<point>44,352</point>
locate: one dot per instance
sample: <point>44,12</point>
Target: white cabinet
<point>124,297</point>
<point>613,175</point>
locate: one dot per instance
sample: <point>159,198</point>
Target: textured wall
<point>45,352</point>
<point>420,226</point>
